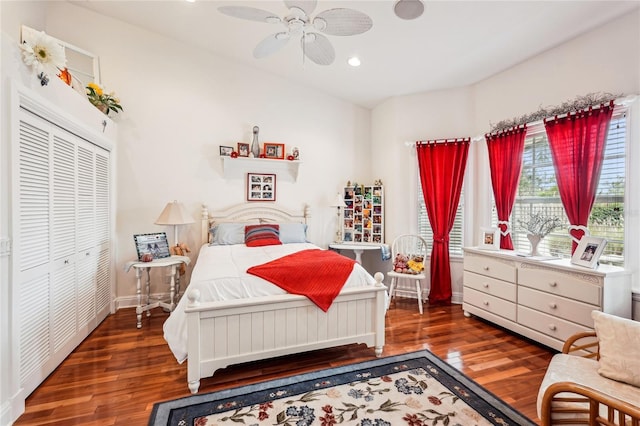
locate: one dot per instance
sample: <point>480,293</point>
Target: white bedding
<point>220,274</point>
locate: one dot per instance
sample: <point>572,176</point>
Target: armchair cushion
<point>619,348</point>
<point>583,371</point>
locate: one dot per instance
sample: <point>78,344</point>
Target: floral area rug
<point>413,389</point>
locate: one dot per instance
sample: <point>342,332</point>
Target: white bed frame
<point>232,332</point>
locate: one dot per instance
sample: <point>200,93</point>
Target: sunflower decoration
<point>45,55</point>
<point>105,102</point>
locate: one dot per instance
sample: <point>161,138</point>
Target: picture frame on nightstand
<point>489,238</point>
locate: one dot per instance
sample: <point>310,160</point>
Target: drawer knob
<point>486,268</point>
<point>553,284</point>
<point>553,305</point>
<point>485,285</point>
<point>66,261</point>
<point>486,303</point>
<point>552,327</point>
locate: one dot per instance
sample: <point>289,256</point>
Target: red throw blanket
<point>317,274</point>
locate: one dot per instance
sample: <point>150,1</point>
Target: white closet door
<point>103,231</point>
<point>63,242</point>
<point>85,243</point>
<point>33,248</point>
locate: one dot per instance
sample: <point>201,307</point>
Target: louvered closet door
<point>103,231</point>
<point>63,241</point>
<point>33,245</point>
<point>86,237</point>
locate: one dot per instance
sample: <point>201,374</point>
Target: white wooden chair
<point>410,246</point>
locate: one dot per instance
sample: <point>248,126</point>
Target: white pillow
<point>619,340</point>
<point>291,232</point>
<point>227,233</point>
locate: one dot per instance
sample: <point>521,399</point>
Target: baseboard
<point>132,301</point>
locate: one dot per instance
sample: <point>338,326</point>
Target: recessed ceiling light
<point>354,61</point>
<point>408,9</point>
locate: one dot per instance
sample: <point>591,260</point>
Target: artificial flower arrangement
<point>45,55</point>
<point>541,225</point>
<point>105,102</point>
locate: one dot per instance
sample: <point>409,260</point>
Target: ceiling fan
<point>298,22</point>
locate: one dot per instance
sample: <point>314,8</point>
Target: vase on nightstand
<point>534,239</point>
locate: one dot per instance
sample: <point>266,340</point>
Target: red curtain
<point>505,160</point>
<point>577,144</point>
<point>441,166</point>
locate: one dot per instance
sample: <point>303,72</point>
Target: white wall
<point>180,104</point>
<point>560,74</point>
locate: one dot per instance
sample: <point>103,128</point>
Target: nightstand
<point>171,264</point>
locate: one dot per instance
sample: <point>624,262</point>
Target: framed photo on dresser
<point>588,251</point>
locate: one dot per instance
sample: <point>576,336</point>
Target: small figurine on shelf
<point>295,153</point>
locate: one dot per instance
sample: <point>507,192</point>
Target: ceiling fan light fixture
<point>271,19</point>
<point>354,61</point>
<point>408,9</point>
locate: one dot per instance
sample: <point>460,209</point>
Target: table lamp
<point>338,202</point>
<point>175,214</point>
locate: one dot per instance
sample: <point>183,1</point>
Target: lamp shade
<point>174,213</point>
<point>338,201</point>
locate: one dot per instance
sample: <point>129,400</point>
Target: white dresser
<point>544,300</point>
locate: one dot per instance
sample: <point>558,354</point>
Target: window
<point>424,228</point>
<point>538,192</point>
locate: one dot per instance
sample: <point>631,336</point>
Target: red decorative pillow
<point>262,235</point>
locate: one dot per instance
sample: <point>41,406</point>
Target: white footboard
<point>225,333</point>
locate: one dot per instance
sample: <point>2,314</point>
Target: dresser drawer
<point>581,287</point>
<point>501,269</point>
<point>489,285</point>
<point>556,306</point>
<point>547,324</point>
<point>490,303</point>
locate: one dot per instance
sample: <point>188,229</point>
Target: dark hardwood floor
<point>116,375</point>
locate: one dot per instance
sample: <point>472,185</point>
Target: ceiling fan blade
<point>250,13</point>
<point>308,6</point>
<point>318,48</point>
<point>342,22</point>
<point>270,45</point>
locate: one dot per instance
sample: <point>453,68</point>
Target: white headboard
<point>251,212</point>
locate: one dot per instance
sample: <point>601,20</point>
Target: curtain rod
<point>413,144</point>
<point>624,101</point>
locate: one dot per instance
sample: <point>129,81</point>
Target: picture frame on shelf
<point>243,149</point>
<point>274,150</point>
<point>588,251</point>
<point>155,244</point>
<point>489,238</point>
<point>225,151</point>
<point>261,187</point>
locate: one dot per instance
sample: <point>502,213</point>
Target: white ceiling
<point>454,43</point>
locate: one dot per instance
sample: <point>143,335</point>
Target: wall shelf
<point>237,168</point>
